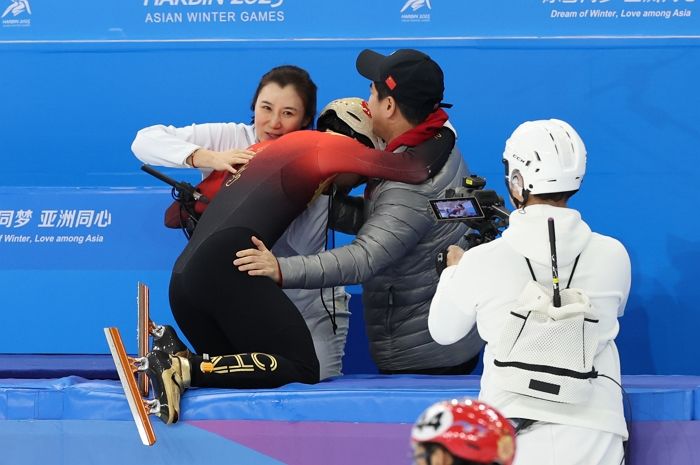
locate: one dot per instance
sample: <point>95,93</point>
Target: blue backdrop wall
<point>80,224</point>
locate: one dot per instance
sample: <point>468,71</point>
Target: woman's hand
<point>229,160</point>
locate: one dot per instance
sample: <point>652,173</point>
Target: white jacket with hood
<point>486,283</point>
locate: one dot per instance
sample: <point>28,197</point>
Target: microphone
<point>180,186</point>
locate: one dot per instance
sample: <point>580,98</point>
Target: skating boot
<point>166,340</point>
<point>169,376</point>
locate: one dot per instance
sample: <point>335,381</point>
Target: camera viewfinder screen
<point>464,208</point>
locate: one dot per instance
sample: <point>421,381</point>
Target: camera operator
<point>545,163</point>
<point>483,211</point>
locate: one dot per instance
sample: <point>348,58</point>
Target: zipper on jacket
<point>389,310</point>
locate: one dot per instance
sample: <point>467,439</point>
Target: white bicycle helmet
<point>544,157</point>
<point>354,112</point>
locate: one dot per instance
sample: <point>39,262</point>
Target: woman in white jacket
<point>545,163</point>
<point>285,101</point>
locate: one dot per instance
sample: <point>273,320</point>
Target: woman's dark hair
<point>301,81</point>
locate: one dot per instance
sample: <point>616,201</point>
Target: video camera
<point>482,210</point>
<point>181,213</point>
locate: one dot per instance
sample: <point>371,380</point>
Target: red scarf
<point>420,133</point>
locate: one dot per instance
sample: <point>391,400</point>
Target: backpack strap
<point>532,272</point>
<point>568,283</point>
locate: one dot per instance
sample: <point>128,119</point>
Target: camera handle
<point>502,213</point>
<point>441,261</point>
<point>184,191</point>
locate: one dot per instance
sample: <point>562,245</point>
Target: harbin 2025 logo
<point>416,11</point>
<point>16,14</point>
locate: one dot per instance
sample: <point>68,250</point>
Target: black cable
<point>325,247</point>
<point>183,227</point>
<point>626,403</point>
<point>185,212</point>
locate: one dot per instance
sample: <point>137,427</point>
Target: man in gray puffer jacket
<point>397,237</point>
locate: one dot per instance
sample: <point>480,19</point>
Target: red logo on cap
<point>365,108</point>
<point>389,81</point>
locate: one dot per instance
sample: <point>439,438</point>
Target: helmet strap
<point>524,195</point>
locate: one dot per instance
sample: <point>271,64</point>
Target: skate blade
<point>143,332</point>
<point>125,370</point>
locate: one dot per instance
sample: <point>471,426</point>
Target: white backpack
<point>546,351</point>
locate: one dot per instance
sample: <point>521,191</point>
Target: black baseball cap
<point>413,78</point>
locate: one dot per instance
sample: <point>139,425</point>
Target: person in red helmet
<point>462,432</point>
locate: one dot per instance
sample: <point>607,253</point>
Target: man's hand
<point>230,160</point>
<point>454,255</point>
<point>258,261</point>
